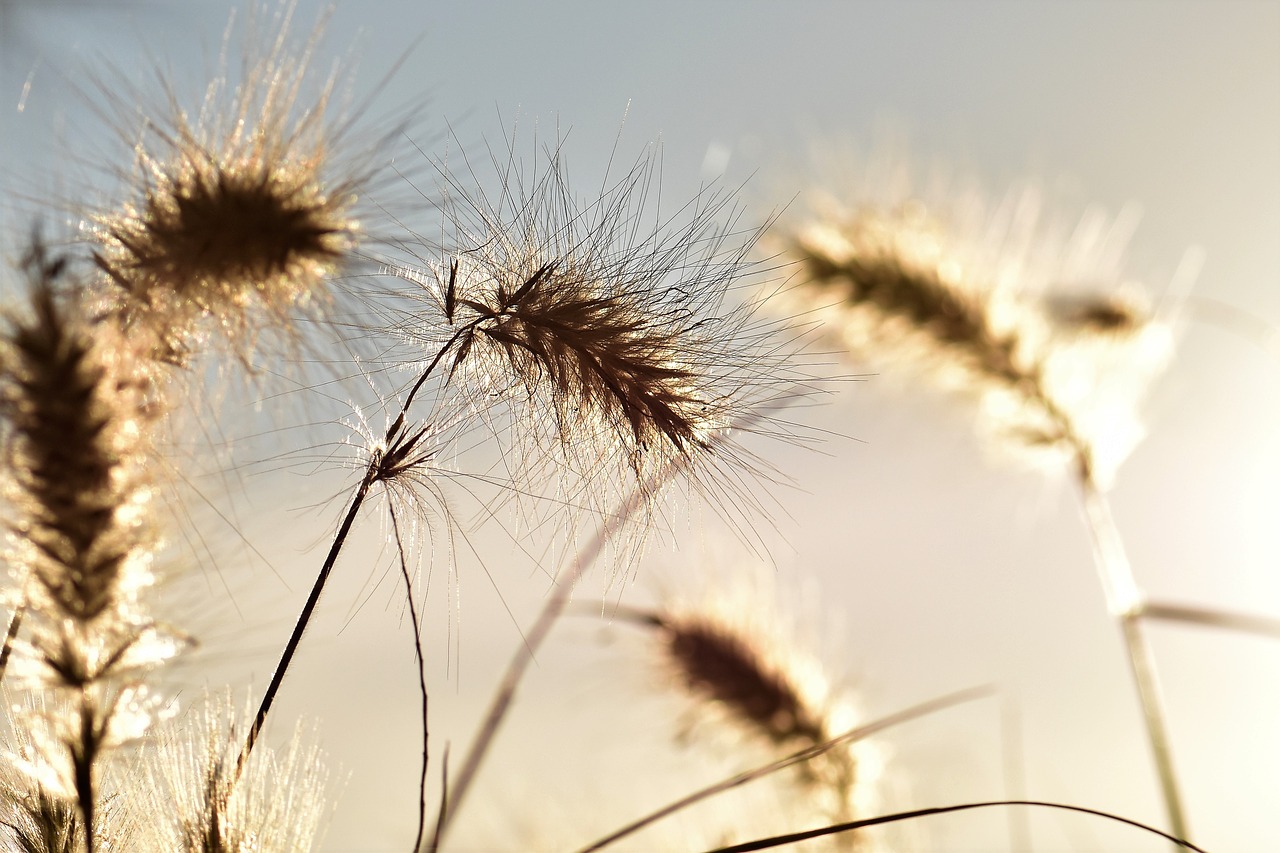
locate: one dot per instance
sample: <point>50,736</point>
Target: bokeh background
<point>912,561</point>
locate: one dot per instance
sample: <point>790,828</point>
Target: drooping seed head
<point>742,670</point>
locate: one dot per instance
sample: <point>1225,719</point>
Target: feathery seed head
<point>240,213</point>
<point>74,424</point>
<point>277,806</point>
<point>612,343</point>
<point>741,669</point>
<point>77,429</point>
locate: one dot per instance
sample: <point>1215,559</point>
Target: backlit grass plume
<point>1056,373</point>
<point>197,802</point>
<point>740,670</point>
<point>617,336</point>
<point>240,212</point>
<point>1050,371</point>
<point>76,433</point>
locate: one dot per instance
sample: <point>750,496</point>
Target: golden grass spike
<point>76,429</point>
<point>240,213</point>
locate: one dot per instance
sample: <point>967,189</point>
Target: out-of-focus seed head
<point>195,801</point>
<point>744,671</point>
<point>1054,374</point>
<point>78,431</point>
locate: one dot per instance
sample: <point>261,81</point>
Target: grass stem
<point>1125,605</point>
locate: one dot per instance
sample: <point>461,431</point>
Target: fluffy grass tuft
<point>200,804</point>
<point>240,212</point>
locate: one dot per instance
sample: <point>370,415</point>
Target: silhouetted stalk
<point>373,473</point>
<point>422,678</point>
<point>906,715</point>
<point>796,837</point>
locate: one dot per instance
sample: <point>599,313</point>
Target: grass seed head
<point>1054,374</point>
<point>78,433</point>
<point>741,670</point>
<point>241,211</point>
<point>617,337</point>
<point>277,806</point>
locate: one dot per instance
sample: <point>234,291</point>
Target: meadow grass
<point>612,354</point>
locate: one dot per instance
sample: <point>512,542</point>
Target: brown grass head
<point>76,430</point>
<point>610,336</point>
<point>743,673</point>
<point>241,210</point>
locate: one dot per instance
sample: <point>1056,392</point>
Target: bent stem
<point>797,837</point>
<point>422,677</point>
<point>1125,604</point>
<point>864,731</point>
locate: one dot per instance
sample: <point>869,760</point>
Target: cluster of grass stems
<point>612,352</point>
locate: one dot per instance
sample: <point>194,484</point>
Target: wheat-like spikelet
<point>241,210</point>
<point>76,431</point>
<point>1051,372</point>
<point>190,786</point>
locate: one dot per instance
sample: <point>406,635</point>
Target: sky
<point>917,562</point>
